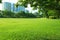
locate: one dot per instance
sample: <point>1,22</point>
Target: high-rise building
<point>7,6</point>
<point>12,7</point>
<point>17,9</point>
<point>21,8</point>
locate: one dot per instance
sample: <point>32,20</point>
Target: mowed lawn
<point>29,29</point>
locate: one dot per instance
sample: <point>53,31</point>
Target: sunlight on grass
<point>29,29</point>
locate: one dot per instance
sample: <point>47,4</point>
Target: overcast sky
<point>12,1</point>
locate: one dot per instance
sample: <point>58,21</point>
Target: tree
<point>44,4</point>
<point>8,14</point>
<point>0,1</point>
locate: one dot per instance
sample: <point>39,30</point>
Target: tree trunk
<point>46,13</point>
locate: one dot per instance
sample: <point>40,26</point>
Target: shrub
<point>8,14</point>
<point>24,15</point>
<point>52,17</point>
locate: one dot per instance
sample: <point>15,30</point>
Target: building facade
<point>12,7</point>
<point>7,6</point>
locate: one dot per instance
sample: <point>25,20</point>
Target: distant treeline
<point>53,14</point>
<point>9,14</point>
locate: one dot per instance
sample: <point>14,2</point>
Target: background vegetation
<point>49,9</point>
<point>9,14</point>
<point>0,1</point>
<point>45,6</point>
<point>53,14</point>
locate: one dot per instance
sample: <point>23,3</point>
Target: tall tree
<point>44,4</point>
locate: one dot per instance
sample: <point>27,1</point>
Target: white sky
<point>12,1</point>
<point>29,8</point>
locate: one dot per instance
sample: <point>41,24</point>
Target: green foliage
<point>46,5</point>
<point>54,13</point>
<point>8,14</point>
<point>24,15</point>
<point>52,17</point>
<point>21,14</point>
<point>0,1</point>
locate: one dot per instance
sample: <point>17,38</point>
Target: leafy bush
<point>8,14</point>
<point>54,14</point>
<point>30,15</point>
<point>24,15</point>
<point>0,1</point>
<point>52,17</point>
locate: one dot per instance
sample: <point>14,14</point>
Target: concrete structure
<point>10,6</point>
<point>17,9</point>
<point>7,6</point>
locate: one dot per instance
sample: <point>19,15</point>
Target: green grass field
<point>29,29</point>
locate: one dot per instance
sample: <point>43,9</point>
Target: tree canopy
<point>50,4</point>
<point>44,4</point>
<point>0,1</point>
